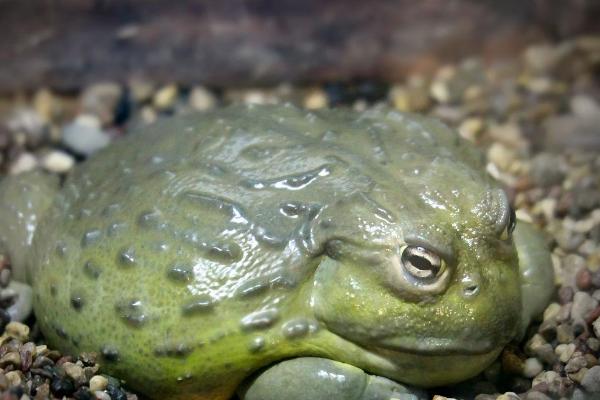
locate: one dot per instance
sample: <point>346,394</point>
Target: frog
<point>272,252</point>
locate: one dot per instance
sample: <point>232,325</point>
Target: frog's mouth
<point>435,346</point>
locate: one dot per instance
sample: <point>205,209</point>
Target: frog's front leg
<point>323,379</point>
<point>537,273</point>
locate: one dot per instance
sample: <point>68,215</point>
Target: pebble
<point>98,382</point>
<point>564,351</point>
<point>532,367</point>
<point>202,99</point>
<point>141,90</point>
<point>164,98</point>
<point>102,395</point>
<point>26,121</point>
<point>101,100</point>
<point>575,363</point>
<point>315,98</point>
<point>591,380</point>
<point>547,169</point>
<point>583,304</point>
<point>85,135</point>
<point>471,128</point>
<point>58,161</point>
<point>25,162</point>
<point>21,296</point>
<point>17,330</point>
<point>14,378</point>
<point>75,372</point>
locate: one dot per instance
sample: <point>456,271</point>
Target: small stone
<point>501,156</point>
<point>98,383</point>
<point>12,358</point>
<point>18,331</point>
<point>62,386</point>
<point>74,371</point>
<point>576,362</point>
<point>84,135</point>
<point>14,378</point>
<point>102,395</point>
<point>593,343</point>
<point>22,300</point>
<point>538,347</point>
<point>578,376</point>
<point>565,333</point>
<point>532,367</point>
<point>202,99</point>
<point>564,351</point>
<point>591,380</point>
<point>165,97</point>
<point>58,161</point>
<point>101,100</point>
<point>551,311</point>
<point>547,169</point>
<point>548,378</point>
<point>596,327</point>
<point>3,382</point>
<point>535,395</point>
<point>471,128</point>
<point>508,396</point>
<point>26,121</point>
<point>565,294</point>
<point>25,162</point>
<point>315,98</point>
<point>141,90</point>
<point>583,304</point>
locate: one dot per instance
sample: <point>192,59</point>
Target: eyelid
<point>445,253</point>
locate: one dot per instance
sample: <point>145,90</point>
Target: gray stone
<point>84,135</point>
<point>591,380</point>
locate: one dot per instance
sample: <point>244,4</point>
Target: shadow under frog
<point>279,254</point>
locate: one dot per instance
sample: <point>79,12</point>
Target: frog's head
<point>426,281</point>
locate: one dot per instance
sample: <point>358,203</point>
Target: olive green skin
<point>192,253</point>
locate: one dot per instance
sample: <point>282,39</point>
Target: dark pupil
<point>420,263</point>
<point>512,221</point>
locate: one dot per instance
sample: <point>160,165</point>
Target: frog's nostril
<point>470,284</point>
<point>471,290</point>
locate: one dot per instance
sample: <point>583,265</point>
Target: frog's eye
<point>510,225</point>
<point>421,263</point>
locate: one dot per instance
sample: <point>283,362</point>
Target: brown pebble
<point>593,315</point>
<point>64,359</point>
<point>583,279</point>
<point>13,358</point>
<point>42,392</point>
<point>3,382</point>
<point>26,352</point>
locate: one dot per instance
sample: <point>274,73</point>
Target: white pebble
<point>101,395</point>
<point>25,162</point>
<point>58,161</point>
<point>98,383</point>
<point>202,99</point>
<point>84,135</point>
<point>532,367</point>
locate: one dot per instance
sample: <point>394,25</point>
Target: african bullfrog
<point>279,254</point>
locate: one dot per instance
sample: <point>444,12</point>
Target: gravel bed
<point>536,117</point>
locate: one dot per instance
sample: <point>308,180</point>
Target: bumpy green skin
<point>197,251</point>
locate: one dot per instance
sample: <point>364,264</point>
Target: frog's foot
<point>537,273</point>
<point>23,200</point>
<point>322,379</point>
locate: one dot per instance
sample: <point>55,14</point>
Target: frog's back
<point>171,251</point>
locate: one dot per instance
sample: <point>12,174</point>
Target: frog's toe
<point>537,274</point>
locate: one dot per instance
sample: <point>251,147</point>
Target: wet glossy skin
<point>204,248</point>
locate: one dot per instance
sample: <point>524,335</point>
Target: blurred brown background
<point>66,44</point>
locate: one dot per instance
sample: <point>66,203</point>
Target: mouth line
<point>433,346</point>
